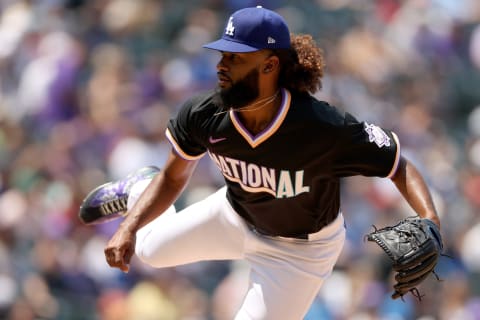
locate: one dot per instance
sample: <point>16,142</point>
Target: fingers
<point>408,275</point>
<point>120,249</point>
<point>118,258</point>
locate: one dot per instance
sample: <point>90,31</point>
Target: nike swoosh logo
<point>212,140</point>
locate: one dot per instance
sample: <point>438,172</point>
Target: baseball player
<point>282,153</point>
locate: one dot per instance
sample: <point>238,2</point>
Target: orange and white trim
<point>179,150</point>
<point>397,157</point>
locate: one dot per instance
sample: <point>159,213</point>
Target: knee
<point>158,256</point>
<point>140,248</point>
<point>150,240</point>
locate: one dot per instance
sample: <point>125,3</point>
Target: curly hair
<point>302,65</point>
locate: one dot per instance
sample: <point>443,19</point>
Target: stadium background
<point>86,88</point>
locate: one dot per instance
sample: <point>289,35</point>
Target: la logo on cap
<point>253,29</point>
<point>230,28</point>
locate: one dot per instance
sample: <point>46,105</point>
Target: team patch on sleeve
<point>377,135</point>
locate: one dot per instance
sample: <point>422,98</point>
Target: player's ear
<point>271,63</point>
<point>268,68</point>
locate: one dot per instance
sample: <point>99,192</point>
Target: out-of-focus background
<point>86,89</point>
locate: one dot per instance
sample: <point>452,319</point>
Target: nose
<point>221,65</point>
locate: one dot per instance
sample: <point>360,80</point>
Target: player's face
<point>241,92</point>
<point>238,78</point>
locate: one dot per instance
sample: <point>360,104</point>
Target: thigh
<point>206,230</point>
<point>286,276</point>
<point>278,294</point>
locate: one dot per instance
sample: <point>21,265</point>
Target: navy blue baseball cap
<point>253,29</point>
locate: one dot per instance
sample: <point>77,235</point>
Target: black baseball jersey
<point>285,180</point>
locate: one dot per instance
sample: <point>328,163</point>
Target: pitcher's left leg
<point>278,295</point>
<point>286,275</point>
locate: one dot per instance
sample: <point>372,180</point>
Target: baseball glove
<point>414,246</point>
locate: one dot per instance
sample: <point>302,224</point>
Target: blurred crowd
<point>86,90</point>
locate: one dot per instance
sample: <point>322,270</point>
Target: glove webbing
<point>383,245</point>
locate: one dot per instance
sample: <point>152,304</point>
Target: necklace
<point>263,102</point>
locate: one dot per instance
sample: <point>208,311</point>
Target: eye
<point>231,57</point>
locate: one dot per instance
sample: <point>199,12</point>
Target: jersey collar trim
<point>256,140</point>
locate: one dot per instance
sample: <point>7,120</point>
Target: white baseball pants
<point>286,274</point>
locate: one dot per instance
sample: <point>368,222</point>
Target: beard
<point>240,94</point>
